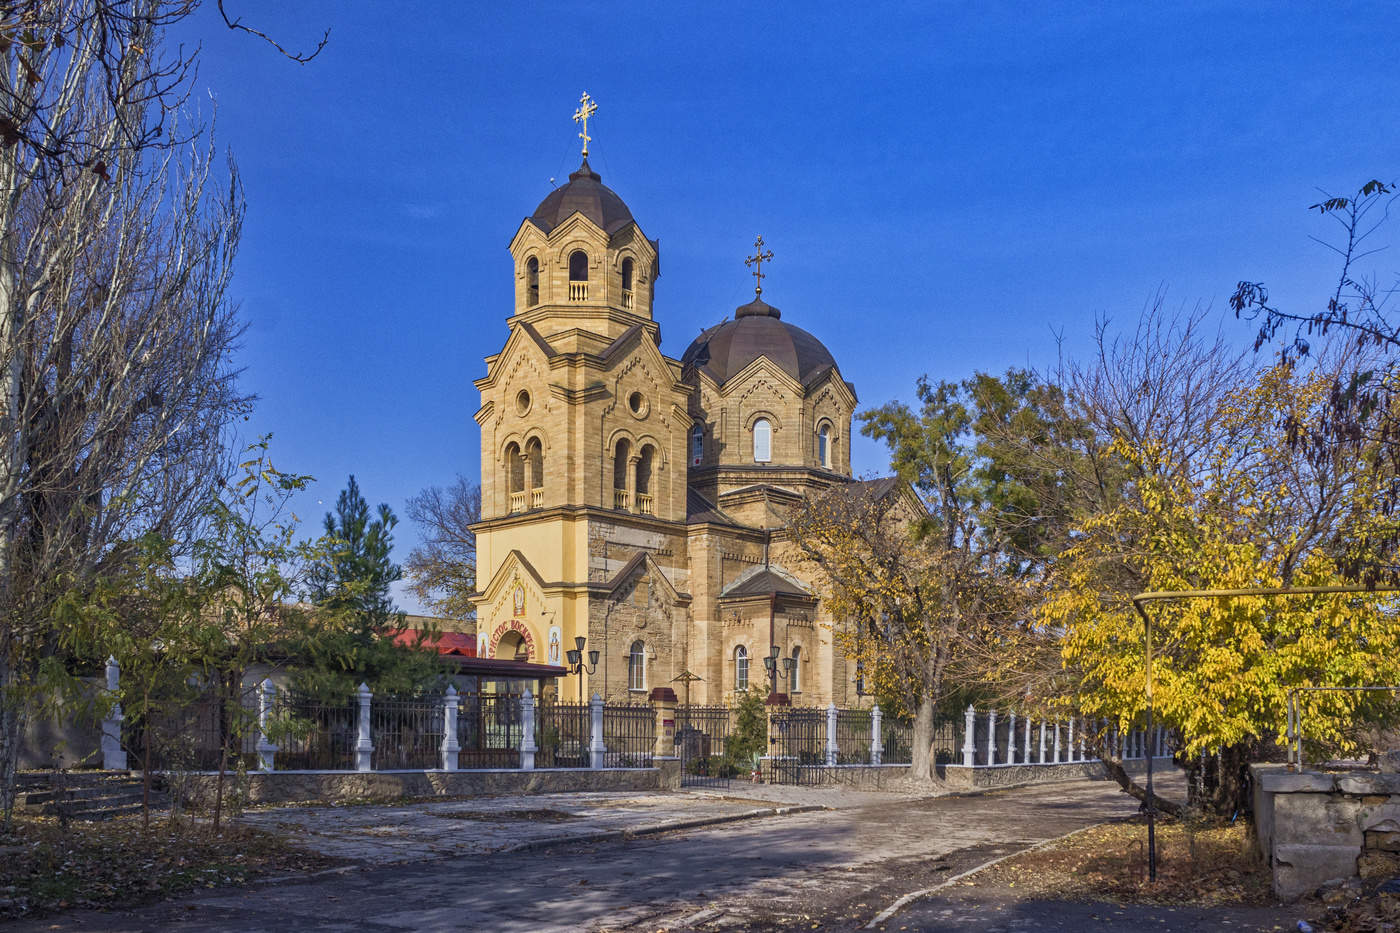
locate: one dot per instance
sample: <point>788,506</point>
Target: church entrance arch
<point>512,641</point>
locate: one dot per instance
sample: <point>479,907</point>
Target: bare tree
<point>117,235</point>
<point>441,571</point>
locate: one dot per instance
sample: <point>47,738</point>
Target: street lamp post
<point>576,666</point>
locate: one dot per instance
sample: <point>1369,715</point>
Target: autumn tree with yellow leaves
<point>1237,508</point>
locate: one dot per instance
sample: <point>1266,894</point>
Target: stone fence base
<point>1313,827</point>
<point>329,786</point>
<point>957,777</point>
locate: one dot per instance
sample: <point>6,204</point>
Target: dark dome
<point>725,349</point>
<point>586,194</point>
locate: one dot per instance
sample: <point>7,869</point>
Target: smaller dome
<point>587,195</point>
<point>725,349</point>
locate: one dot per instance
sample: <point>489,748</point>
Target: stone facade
<point>638,500</point>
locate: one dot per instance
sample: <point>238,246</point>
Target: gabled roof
<point>698,509</point>
<point>763,580</point>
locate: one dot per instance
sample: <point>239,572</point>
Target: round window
<point>522,401</point>
<point>638,403</point>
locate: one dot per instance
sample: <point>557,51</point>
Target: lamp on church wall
<point>576,666</point>
<point>771,663</point>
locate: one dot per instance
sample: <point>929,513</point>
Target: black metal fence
<point>313,736</point>
<point>629,735</point>
<point>797,745</point>
<point>853,736</point>
<point>702,745</point>
<point>490,729</point>
<point>562,733</point>
<point>189,734</point>
<point>406,732</point>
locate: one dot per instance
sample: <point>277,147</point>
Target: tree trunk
<point>1116,772</point>
<point>1219,784</point>
<point>920,762</point>
<point>11,727</point>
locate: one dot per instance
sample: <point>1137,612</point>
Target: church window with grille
<point>697,445</point>
<point>637,666</point>
<point>741,668</point>
<point>824,445</point>
<point>796,680</point>
<point>762,441</point>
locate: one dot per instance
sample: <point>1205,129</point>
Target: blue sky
<point>946,187</point>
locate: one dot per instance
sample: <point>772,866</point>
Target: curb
<point>912,896</point>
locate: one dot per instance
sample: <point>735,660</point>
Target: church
<point>633,502</point>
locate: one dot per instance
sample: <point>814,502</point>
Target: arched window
<point>697,445</point>
<point>741,668</point>
<point>795,682</point>
<point>578,266</point>
<point>627,283</point>
<point>532,282</point>
<point>645,463</point>
<point>762,441</point>
<point>621,455</point>
<point>824,445</point>
<point>515,477</point>
<point>637,666</point>
<point>534,456</point>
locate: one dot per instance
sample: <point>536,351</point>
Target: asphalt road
<point>832,870</point>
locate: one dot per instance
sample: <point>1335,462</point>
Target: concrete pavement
<point>837,869</point>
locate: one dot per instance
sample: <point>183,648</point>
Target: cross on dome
<point>757,260</point>
<point>587,108</point>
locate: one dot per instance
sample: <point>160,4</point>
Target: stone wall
<point>1314,827</point>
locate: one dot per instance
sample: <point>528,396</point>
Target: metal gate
<point>702,738</point>
<point>797,745</point>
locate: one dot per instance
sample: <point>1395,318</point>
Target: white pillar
<point>1041,759</point>
<point>991,737</point>
<point>1011,740</point>
<point>1057,741</point>
<point>1083,727</point>
<point>1026,743</point>
<point>267,696</point>
<point>450,745</point>
<point>113,755</point>
<point>876,746</point>
<point>833,750</point>
<point>527,738</point>
<point>596,749</point>
<point>969,749</point>
<point>364,748</point>
<point>1069,741</point>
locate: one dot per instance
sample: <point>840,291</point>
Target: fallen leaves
<point>46,868</point>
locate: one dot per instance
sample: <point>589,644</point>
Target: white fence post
<point>450,745</point>
<point>1011,740</point>
<point>267,752</point>
<point>596,749</point>
<point>1083,727</point>
<point>877,749</point>
<point>1026,742</point>
<point>1041,759</point>
<point>1057,741</point>
<point>969,749</point>
<point>364,748</point>
<point>1069,741</point>
<point>113,755</point>
<point>833,750</point>
<point>991,737</point>
<point>527,737</point>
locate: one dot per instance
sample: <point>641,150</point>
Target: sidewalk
<point>383,835</point>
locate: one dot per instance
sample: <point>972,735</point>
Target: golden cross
<point>587,108</point>
<point>757,260</point>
